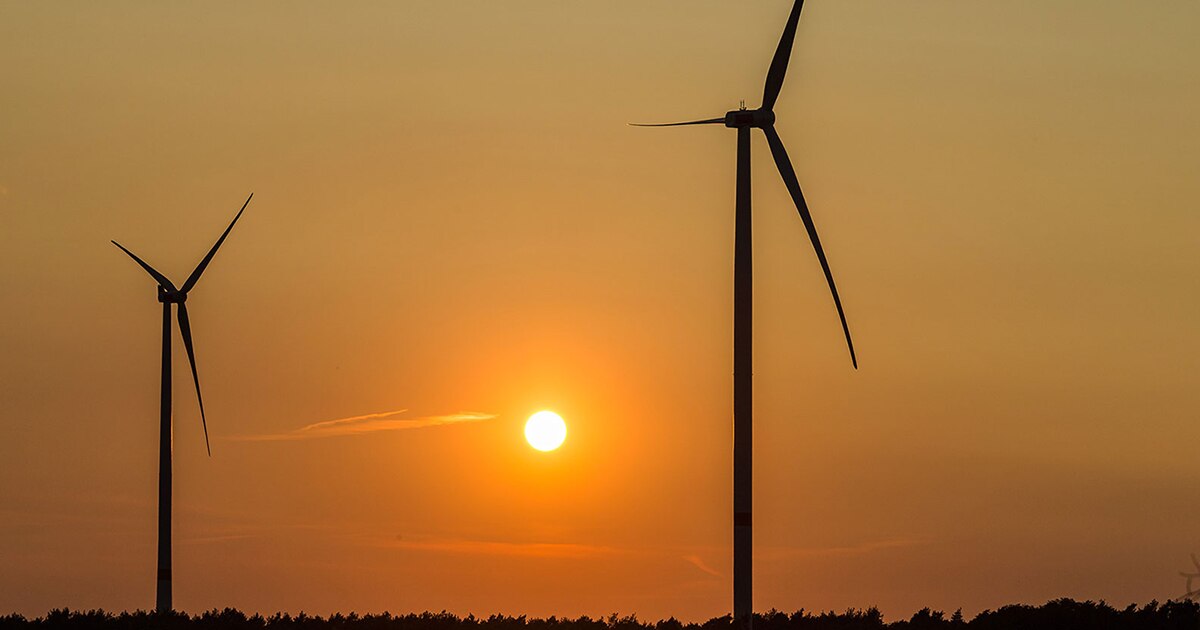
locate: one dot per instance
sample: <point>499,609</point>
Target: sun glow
<point>545,430</point>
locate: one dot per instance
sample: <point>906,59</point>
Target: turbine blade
<point>710,121</point>
<point>789,179</point>
<point>192,279</point>
<point>185,328</point>
<point>158,277</point>
<point>779,63</point>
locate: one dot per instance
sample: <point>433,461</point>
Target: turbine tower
<point>743,121</point>
<point>168,295</point>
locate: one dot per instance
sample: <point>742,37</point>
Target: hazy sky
<point>452,218</point>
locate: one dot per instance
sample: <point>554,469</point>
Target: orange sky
<point>452,218</point>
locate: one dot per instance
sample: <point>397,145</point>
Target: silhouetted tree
<point>1061,614</point>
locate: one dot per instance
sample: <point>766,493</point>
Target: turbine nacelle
<point>760,118</point>
<point>171,297</point>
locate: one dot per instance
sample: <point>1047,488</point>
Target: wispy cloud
<point>846,550</point>
<point>369,423</point>
<point>496,548</point>
<point>700,564</point>
<point>208,540</point>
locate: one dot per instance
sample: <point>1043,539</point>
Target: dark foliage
<point>1061,614</point>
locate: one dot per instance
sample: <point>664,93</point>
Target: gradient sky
<point>452,218</point>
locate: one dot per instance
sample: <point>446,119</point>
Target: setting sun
<point>545,430</point>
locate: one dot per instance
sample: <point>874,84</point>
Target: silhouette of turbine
<point>744,120</point>
<point>168,295</point>
<point>1190,594</point>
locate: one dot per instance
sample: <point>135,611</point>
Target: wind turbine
<point>744,120</point>
<point>168,295</point>
<point>1190,594</point>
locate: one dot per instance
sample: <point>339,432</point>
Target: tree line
<point>1060,614</point>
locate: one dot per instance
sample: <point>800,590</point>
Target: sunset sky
<point>453,228</point>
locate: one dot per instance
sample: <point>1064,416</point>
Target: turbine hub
<point>749,118</point>
<point>171,297</point>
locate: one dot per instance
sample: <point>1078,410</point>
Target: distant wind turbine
<point>1190,576</point>
<point>168,295</point>
<point>744,120</point>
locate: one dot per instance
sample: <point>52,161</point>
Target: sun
<point>545,430</point>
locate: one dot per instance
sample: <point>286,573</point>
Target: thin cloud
<point>859,549</point>
<point>207,540</point>
<point>369,423</point>
<point>495,548</point>
<point>700,564</point>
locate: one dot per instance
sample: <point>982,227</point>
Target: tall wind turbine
<point>168,295</point>
<point>744,120</point>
